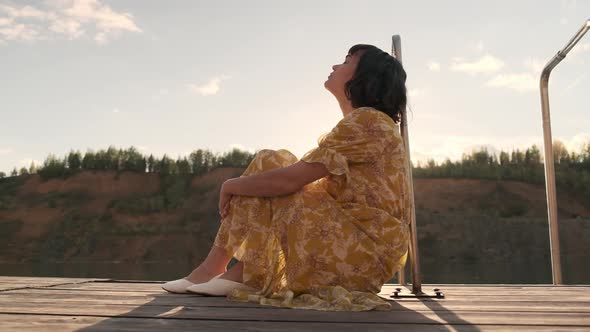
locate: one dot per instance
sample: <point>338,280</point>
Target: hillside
<point>469,230</point>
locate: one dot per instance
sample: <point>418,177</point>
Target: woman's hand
<point>224,201</point>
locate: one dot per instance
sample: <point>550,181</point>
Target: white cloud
<point>71,19</point>
<point>5,20</point>
<point>486,64</point>
<point>434,66</point>
<point>520,82</point>
<point>116,110</point>
<point>71,28</point>
<point>535,65</point>
<point>5,150</point>
<point>563,20</point>
<point>209,88</point>
<point>20,32</point>
<point>142,148</point>
<point>577,142</point>
<point>23,12</point>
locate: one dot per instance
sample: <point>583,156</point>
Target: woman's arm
<point>276,181</point>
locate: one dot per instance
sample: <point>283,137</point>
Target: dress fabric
<point>334,243</point>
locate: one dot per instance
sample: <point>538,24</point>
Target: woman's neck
<point>345,106</point>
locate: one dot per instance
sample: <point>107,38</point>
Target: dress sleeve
<point>359,137</point>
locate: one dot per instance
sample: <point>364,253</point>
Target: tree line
<point>572,169</point>
<point>198,162</point>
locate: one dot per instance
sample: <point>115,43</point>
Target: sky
<point>170,77</point>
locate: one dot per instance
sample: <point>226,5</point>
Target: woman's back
<point>375,171</point>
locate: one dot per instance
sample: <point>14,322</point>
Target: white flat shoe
<point>179,286</point>
<point>217,287</point>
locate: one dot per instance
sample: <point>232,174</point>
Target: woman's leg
<point>215,263</point>
<point>235,273</point>
<point>218,258</point>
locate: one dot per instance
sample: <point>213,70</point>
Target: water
<point>159,271</point>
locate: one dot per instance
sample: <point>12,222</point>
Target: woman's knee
<point>277,158</point>
<point>266,159</point>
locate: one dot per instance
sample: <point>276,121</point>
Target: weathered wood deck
<point>67,304</point>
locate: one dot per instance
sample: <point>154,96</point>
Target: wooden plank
<point>578,307</point>
<point>46,279</point>
<point>449,300</point>
<point>469,291</point>
<point>135,306</point>
<point>386,287</point>
<point>277,314</point>
<point>46,323</point>
<point>473,291</point>
<point>448,297</point>
<point>9,283</point>
<point>458,303</point>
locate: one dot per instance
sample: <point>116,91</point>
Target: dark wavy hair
<point>379,82</point>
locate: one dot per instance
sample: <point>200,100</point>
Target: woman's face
<point>341,74</point>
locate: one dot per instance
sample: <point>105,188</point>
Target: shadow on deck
<point>72,304</point>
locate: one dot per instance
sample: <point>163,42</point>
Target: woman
<point>325,232</point>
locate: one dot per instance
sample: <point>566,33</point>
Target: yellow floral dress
<point>334,243</point>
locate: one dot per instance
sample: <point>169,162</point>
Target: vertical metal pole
<point>548,149</point>
<point>396,50</point>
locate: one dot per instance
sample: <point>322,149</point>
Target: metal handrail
<point>548,148</point>
<point>396,50</point>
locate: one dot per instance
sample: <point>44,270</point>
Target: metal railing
<point>549,170</point>
<point>548,148</point>
<point>396,51</point>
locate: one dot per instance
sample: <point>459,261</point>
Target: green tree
<point>504,158</point>
<point>151,164</point>
<point>197,162</point>
<point>74,160</point>
<point>100,160</point>
<point>52,167</point>
<point>89,160</point>
<point>560,153</point>
<point>32,168</point>
<point>112,158</point>
<point>532,156</point>
<point>132,160</point>
<point>209,161</point>
<point>236,158</point>
<point>183,166</point>
<point>166,166</point>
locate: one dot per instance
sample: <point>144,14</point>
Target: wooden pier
<point>72,304</point>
